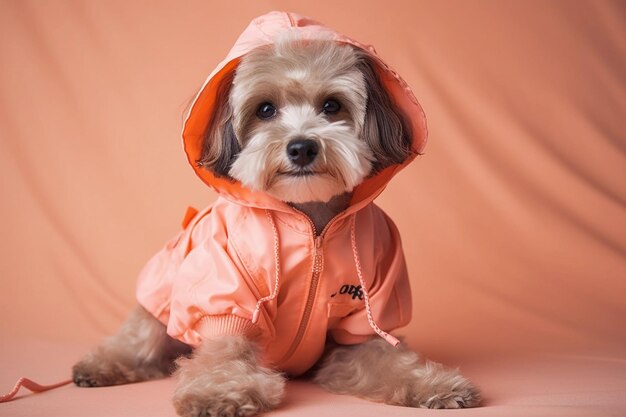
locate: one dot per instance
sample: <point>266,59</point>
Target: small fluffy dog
<point>304,121</point>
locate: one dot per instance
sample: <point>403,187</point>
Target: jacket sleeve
<point>196,285</point>
<point>389,290</point>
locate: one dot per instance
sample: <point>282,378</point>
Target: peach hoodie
<point>251,264</point>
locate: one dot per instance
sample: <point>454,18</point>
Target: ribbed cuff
<point>224,324</point>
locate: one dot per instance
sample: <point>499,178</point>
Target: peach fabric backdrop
<point>513,222</point>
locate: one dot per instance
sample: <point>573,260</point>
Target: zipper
<point>318,266</point>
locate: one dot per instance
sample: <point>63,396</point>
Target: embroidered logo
<point>354,291</point>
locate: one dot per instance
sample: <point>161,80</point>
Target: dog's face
<point>304,121</point>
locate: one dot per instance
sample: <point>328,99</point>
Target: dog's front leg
<point>223,378</point>
<point>380,372</point>
<point>139,351</point>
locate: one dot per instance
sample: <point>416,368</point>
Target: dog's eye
<point>266,111</point>
<point>331,106</point>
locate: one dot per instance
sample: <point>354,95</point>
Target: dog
<point>300,135</point>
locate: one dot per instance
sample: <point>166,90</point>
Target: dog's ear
<point>385,128</point>
<point>220,145</point>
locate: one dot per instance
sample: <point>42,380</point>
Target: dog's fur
<point>367,133</point>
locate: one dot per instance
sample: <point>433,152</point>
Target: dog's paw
<point>94,371</point>
<point>442,388</point>
<point>462,397</point>
<point>243,397</point>
<point>229,404</point>
<point>243,405</point>
<point>88,374</point>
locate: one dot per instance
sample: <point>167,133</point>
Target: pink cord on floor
<point>31,385</point>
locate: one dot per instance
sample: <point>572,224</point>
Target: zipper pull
<point>318,242</point>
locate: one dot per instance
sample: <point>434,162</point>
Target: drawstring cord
<point>257,310</point>
<point>355,253</point>
<point>32,386</point>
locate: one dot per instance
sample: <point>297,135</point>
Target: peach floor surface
<point>513,221</point>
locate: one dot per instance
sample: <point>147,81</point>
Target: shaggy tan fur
<point>223,377</point>
<point>377,371</point>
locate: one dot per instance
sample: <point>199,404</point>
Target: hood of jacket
<point>262,31</point>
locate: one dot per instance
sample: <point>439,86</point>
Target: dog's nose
<point>302,151</point>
